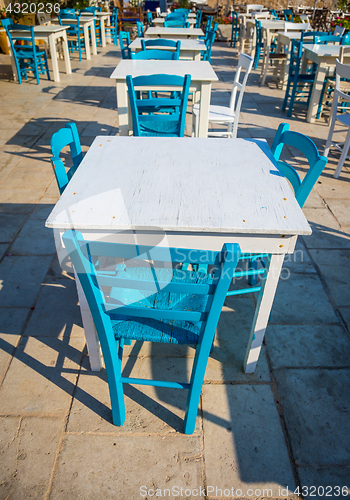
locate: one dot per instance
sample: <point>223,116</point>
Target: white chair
<point>158,11</point>
<point>257,14</point>
<point>279,59</point>
<point>251,7</point>
<point>289,26</point>
<point>304,18</point>
<point>228,114</point>
<point>342,71</point>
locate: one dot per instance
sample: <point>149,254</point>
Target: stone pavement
<point>285,426</point>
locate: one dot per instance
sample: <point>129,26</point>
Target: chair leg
<point>113,368</point>
<point>285,101</point>
<point>332,125</point>
<point>292,98</point>
<point>265,68</point>
<point>343,156</point>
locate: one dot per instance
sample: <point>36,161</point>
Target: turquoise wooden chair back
<point>149,19</point>
<point>154,43</point>
<point>288,13</point>
<point>176,23</point>
<point>273,14</point>
<point>206,56</point>
<point>92,9</point>
<point>75,30</point>
<point>199,14</point>
<point>185,11</point>
<point>304,144</point>
<point>259,43</point>
<point>157,116</point>
<point>155,54</point>
<point>114,26</point>
<point>124,41</point>
<point>67,11</point>
<point>326,39</point>
<point>234,29</point>
<point>176,16</point>
<point>140,29</point>
<point>153,304</point>
<point>67,136</point>
<point>309,36</point>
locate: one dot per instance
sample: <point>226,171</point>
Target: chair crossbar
<point>154,383</point>
<point>145,312</point>
<point>245,290</point>
<point>250,272</point>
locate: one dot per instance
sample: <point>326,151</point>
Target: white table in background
<point>50,34</point>
<point>202,74</point>
<point>324,56</point>
<point>190,48</point>
<point>102,17</point>
<point>85,22</point>
<point>285,40</point>
<point>159,32</point>
<point>161,20</point>
<point>183,193</point>
<point>164,14</point>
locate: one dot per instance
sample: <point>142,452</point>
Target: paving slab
<point>34,239</point>
<point>127,467</point>
<point>10,226</point>
<point>307,346</point>
<point>316,403</point>
<point>319,482</point>
<point>326,231</point>
<point>298,262</point>
<point>341,209</point>
<point>41,377</point>
<point>301,299</point>
<point>26,464</point>
<point>243,441</point>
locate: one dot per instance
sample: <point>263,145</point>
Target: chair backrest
<point>342,71</point>
<point>185,11</point>
<point>309,36</point>
<point>74,28</point>
<point>158,11</point>
<point>199,14</point>
<point>304,144</point>
<point>176,23</point>
<point>245,62</point>
<point>162,42</point>
<point>42,19</point>
<point>326,39</point>
<point>171,121</point>
<point>289,26</point>
<point>14,38</point>
<point>210,38</point>
<point>258,32</point>
<point>273,14</point>
<point>67,136</point>
<point>288,13</point>
<point>235,19</point>
<point>155,54</point>
<point>209,23</point>
<point>295,58</point>
<point>67,11</point>
<point>124,40</point>
<point>260,15</point>
<point>149,19</point>
<point>339,31</point>
<point>251,7</point>
<point>140,29</point>
<point>176,16</point>
<point>91,9</point>
<point>304,18</point>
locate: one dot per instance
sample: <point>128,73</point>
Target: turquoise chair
<point>154,43</point>
<point>259,46</point>
<point>274,14</point>
<point>184,11</point>
<point>67,11</point>
<point>98,31</point>
<point>325,39</point>
<point>149,19</point>
<point>176,23</point>
<point>151,304</point>
<point>124,36</point>
<point>288,13</point>
<point>207,27</point>
<point>156,116</point>
<point>27,57</point>
<point>140,29</point>
<point>199,14</point>
<point>235,29</point>
<point>113,28</point>
<point>174,16</point>
<point>155,54</point>
<point>302,189</point>
<point>67,136</point>
<point>206,55</point>
<point>75,33</point>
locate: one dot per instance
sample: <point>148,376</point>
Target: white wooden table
<point>202,74</point>
<point>146,185</point>
<point>164,14</point>
<point>85,22</point>
<point>103,17</point>
<point>189,49</point>
<point>161,32</point>
<point>324,56</point>
<point>159,21</point>
<point>49,34</point>
<point>285,40</point>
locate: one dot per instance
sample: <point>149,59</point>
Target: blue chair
<point>302,189</point>
<point>328,38</point>
<point>207,28</point>
<point>27,57</point>
<point>184,11</point>
<point>149,19</point>
<point>67,11</point>
<point>124,36</point>
<point>67,136</point>
<point>97,24</point>
<point>75,33</point>
<point>140,29</point>
<point>206,55</point>
<point>113,28</point>
<point>182,307</point>
<point>176,23</point>
<point>288,13</point>
<point>235,29</point>
<point>176,17</point>
<point>156,116</point>
<point>155,43</point>
<point>199,14</point>
<point>155,54</point>
<point>259,46</point>
<point>274,14</point>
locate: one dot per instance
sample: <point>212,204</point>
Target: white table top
<point>186,44</point>
<point>199,70</point>
<point>164,14</point>
<point>179,184</point>
<point>161,20</point>
<point>324,50</point>
<point>97,14</point>
<point>173,32</point>
<point>291,35</point>
<point>83,20</point>
<point>51,28</point>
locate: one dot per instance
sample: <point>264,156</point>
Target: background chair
<point>228,114</point>
<point>97,22</point>
<point>274,14</point>
<point>149,19</point>
<point>112,30</point>
<point>235,29</point>
<point>207,28</point>
<point>288,15</point>
<point>259,44</point>
<point>183,307</point>
<point>199,14</point>
<point>124,42</point>
<point>155,43</point>
<point>67,136</point>
<point>342,71</point>
<point>75,33</point>
<point>176,23</point>
<point>155,54</point>
<point>158,115</point>
<point>206,55</point>
<point>28,58</point>
<point>271,58</point>
<point>140,29</point>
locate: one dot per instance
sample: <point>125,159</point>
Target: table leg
<point>316,92</point>
<point>92,342</point>
<point>103,32</point>
<point>66,53</point>
<point>93,39</point>
<point>286,67</point>
<point>204,104</point>
<point>197,56</point>
<point>52,43</point>
<point>122,104</point>
<point>13,64</point>
<point>87,41</point>
<point>262,312</point>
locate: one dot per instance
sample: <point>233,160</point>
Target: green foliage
<point>343,5</point>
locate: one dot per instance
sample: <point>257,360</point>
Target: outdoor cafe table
<point>86,22</point>
<point>183,193</point>
<point>161,20</point>
<point>102,17</point>
<point>202,74</point>
<point>161,32</point>
<point>190,48</point>
<point>165,14</point>
<point>324,56</point>
<point>49,34</point>
<point>285,40</point>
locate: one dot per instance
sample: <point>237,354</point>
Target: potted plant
<point>224,30</point>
